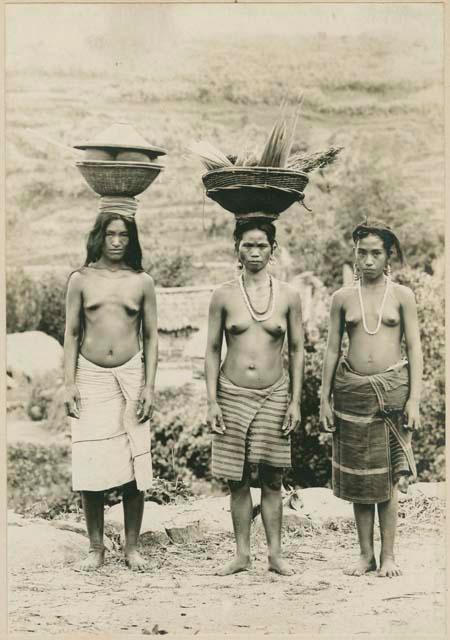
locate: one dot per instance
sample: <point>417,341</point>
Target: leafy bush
<point>181,442</point>
<point>39,479</point>
<point>39,482</point>
<point>23,302</point>
<point>170,269</point>
<point>52,312</point>
<point>429,441</point>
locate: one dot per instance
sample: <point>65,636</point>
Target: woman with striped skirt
<point>375,393</point>
<point>253,406</point>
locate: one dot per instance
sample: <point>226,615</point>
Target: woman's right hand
<point>72,401</point>
<point>214,418</point>
<point>326,417</point>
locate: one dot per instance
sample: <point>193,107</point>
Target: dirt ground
<point>180,596</point>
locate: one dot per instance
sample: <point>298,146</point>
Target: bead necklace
<point>372,333</point>
<point>259,316</point>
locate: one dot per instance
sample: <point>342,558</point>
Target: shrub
<point>429,441</point>
<point>39,482</point>
<point>170,269</point>
<point>52,313</point>
<point>181,442</point>
<point>23,302</point>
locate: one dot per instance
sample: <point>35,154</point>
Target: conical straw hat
<point>121,135</point>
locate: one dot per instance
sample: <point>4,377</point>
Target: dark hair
<point>96,239</point>
<point>255,223</point>
<point>380,229</point>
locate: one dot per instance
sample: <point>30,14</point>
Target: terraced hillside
<point>361,92</point>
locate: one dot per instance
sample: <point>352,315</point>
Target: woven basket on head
<point>257,176</point>
<point>244,199</point>
<point>110,178</point>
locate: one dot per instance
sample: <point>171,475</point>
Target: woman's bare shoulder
<point>223,291</point>
<point>403,293</point>
<point>340,296</point>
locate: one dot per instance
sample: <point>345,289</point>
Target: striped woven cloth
<point>109,446</point>
<point>253,419</point>
<point>370,450</point>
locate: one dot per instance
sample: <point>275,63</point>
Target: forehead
<point>254,235</point>
<point>370,242</point>
<point>116,225</point>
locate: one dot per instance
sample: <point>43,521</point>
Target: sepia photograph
<point>225,320</point>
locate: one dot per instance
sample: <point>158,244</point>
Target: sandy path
<point>180,595</point>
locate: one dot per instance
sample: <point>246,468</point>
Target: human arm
<point>296,362</point>
<point>415,358</point>
<point>150,348</point>
<point>332,353</point>
<point>72,336</point>
<point>212,361</point>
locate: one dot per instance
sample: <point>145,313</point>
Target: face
<point>254,250</point>
<point>371,257</point>
<point>116,240</point>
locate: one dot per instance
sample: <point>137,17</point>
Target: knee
<point>271,479</point>
<point>130,489</point>
<point>239,486</point>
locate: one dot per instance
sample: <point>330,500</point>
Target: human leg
<point>93,508</point>
<point>133,511</point>
<point>387,515</point>
<point>241,514</point>
<point>365,518</point>
<point>272,515</point>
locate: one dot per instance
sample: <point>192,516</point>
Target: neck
<point>371,284</point>
<point>255,278</point>
<point>109,264</point>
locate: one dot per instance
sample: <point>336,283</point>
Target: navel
<point>110,352</point>
<point>251,366</point>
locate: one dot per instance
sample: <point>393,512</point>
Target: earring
<point>355,273</point>
<point>239,265</point>
<point>272,260</point>
<point>388,270</point>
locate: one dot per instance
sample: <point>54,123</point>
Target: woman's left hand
<point>412,415</point>
<point>292,418</point>
<point>145,404</point>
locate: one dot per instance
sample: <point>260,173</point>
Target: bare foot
<point>403,484</point>
<point>239,563</point>
<point>94,560</point>
<point>388,568</point>
<point>280,566</point>
<point>364,565</point>
<point>135,561</point>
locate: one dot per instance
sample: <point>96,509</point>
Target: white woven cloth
<point>125,206</point>
<point>109,446</point>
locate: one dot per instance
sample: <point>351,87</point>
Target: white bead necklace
<point>256,315</point>
<point>366,329</point>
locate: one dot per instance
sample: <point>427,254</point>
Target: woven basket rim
<point>159,151</point>
<point>107,164</point>
<point>256,169</point>
<point>255,186</point>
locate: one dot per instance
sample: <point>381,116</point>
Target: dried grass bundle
<point>307,163</point>
<point>210,157</point>
<point>279,143</point>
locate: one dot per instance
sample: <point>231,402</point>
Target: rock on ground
<point>38,544</point>
<point>32,353</point>
<point>320,505</point>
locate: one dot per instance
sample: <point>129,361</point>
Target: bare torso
<point>254,349</point>
<point>372,353</point>
<point>111,315</point>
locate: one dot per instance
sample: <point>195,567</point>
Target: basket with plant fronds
<point>246,184</point>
